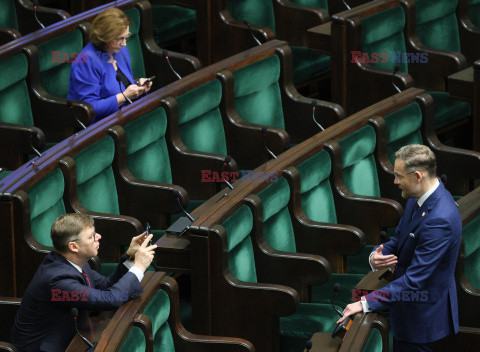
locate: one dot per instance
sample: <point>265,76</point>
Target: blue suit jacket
<point>423,297</point>
<point>94,80</point>
<point>44,321</point>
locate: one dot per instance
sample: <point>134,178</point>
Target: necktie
<point>86,278</point>
<point>415,210</point>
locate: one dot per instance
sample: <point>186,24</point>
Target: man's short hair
<point>67,228</point>
<point>107,26</point>
<point>418,157</point>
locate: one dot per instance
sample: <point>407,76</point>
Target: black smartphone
<point>150,79</point>
<point>148,233</point>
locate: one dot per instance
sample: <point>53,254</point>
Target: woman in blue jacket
<point>103,78</point>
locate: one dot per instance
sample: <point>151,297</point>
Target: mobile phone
<point>148,232</point>
<point>150,79</point>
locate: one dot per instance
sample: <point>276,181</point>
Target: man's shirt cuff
<point>138,272</point>
<point>365,306</point>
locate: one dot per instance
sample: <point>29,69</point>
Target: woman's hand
<point>133,91</point>
<point>141,82</point>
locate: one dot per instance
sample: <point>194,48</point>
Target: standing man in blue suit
<point>64,281</point>
<point>422,296</point>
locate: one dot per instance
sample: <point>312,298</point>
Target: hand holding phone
<point>150,79</point>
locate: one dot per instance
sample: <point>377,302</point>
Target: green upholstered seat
<point>171,22</point>
<point>319,4</point>
<point>134,46</point>
<point>310,317</point>
<point>318,205</point>
<point>383,32</point>
<point>360,177</point>
<point>306,65</point>
<point>4,174</point>
<point>158,310</point>
<point>8,14</point>
<point>46,205</point>
<point>15,105</point>
<point>54,63</point>
<point>471,237</point>
<point>200,121</point>
<point>257,92</point>
<point>474,12</point>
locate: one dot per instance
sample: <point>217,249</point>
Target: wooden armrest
<point>357,335</point>
<point>293,20</point>
<point>20,139</point>
<point>8,34</point>
<point>368,213</point>
<point>469,33</point>
<point>245,141</point>
<point>5,346</point>
<point>187,341</point>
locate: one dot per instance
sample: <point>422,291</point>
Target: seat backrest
<point>316,192</point>
<point>55,60</point>
<point>14,99</point>
<point>134,46</point>
<point>471,237</point>
<point>474,12</point>
<point>277,223</point>
<point>147,153</point>
<point>359,169</point>
<point>318,4</point>
<point>382,32</point>
<point>437,25</point>
<point>241,259</point>
<point>257,12</point>
<point>158,310</point>
<point>199,119</point>
<point>403,128</point>
<point>8,14</point>
<point>96,187</point>
<point>46,205</point>
<point>257,93</point>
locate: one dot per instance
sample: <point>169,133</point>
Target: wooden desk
<point>461,86</point>
<point>100,328</point>
<point>319,38</point>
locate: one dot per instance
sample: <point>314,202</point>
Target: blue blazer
<point>44,321</point>
<point>94,80</point>
<point>423,297</point>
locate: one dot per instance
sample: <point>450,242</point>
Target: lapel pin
<point>411,235</point>
<point>423,214</point>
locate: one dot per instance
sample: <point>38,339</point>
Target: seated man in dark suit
<point>64,281</point>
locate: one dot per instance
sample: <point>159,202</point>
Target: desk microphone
<point>91,346</point>
<point>264,136</point>
<point>35,4</point>
<point>395,70</point>
<point>165,55</point>
<point>340,329</point>
<point>71,108</point>
<point>314,105</point>
<point>251,32</point>
<point>227,160</point>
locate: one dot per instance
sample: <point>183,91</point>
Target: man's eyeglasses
<point>399,178</point>
<point>121,39</point>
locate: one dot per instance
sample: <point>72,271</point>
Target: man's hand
<point>145,254</point>
<point>135,244</point>
<point>380,261</point>
<point>349,310</point>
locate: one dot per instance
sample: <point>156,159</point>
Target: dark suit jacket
<point>423,297</point>
<point>93,79</point>
<point>44,321</point>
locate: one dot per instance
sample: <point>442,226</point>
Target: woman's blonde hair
<point>107,26</point>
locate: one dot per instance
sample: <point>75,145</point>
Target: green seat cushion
<point>319,4</point>
<point>474,12</point>
<point>46,205</point>
<point>323,293</point>
<point>403,128</point>
<point>383,32</point>
<point>171,22</point>
<point>308,65</point>
<point>359,169</point>
<point>96,186</point>
<point>257,12</point>
<point>358,263</point>
<point>299,327</point>
<point>135,341</point>
<point>4,174</point>
<point>200,120</point>
<point>257,92</point>
<point>8,15</point>
<point>277,224</point>
<point>241,261</point>
<point>158,310</point>
<point>14,98</point>
<point>146,147</point>
<point>471,237</point>
<point>133,44</point>
<point>316,193</point>
<point>437,25</point>
<point>55,74</point>
<point>448,111</point>
<point>374,342</point>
